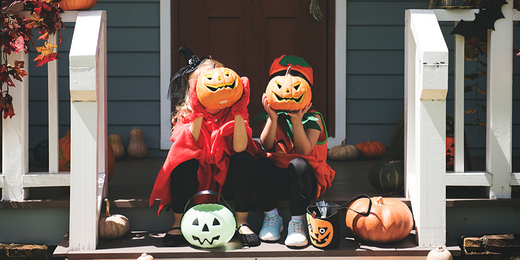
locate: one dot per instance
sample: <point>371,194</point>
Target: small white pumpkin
<point>112,226</point>
<point>439,253</point>
<point>145,256</point>
<point>343,152</point>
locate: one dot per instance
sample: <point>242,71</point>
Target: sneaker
<point>271,228</point>
<point>297,234</point>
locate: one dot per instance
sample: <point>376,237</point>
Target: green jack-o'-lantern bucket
<point>208,225</point>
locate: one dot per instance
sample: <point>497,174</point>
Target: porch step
<point>134,243</point>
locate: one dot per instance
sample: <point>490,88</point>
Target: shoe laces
<point>270,221</point>
<point>296,227</point>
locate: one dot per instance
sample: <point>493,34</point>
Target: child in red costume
<point>295,161</point>
<point>209,147</point>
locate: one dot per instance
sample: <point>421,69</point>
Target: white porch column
<point>88,127</point>
<point>15,137</point>
<point>499,124</point>
<point>426,86</point>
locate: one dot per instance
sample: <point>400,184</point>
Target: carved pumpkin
<point>321,232</point>
<point>371,149</point>
<point>112,226</point>
<point>390,220</point>
<point>67,5</point>
<point>219,88</point>
<point>289,88</point>
<point>208,225</point>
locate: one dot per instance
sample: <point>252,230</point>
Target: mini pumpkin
<point>439,253</point>
<point>289,88</point>
<point>343,152</point>
<point>390,220</point>
<point>112,226</point>
<point>208,225</point>
<point>219,88</point>
<point>371,149</point>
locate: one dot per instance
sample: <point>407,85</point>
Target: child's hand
<point>298,115</point>
<point>242,103</point>
<point>196,106</point>
<point>272,113</point>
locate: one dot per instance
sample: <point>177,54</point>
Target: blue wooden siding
<point>375,79</point>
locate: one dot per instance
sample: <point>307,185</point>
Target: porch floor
<point>133,181</point>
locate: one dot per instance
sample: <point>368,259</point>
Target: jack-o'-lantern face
<point>321,232</point>
<point>288,93</point>
<point>208,225</point>
<point>219,88</point>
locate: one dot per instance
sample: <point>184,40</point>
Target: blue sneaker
<point>271,228</point>
<point>297,234</point>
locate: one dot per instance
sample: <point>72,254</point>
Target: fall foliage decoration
<point>289,88</point>
<point>371,149</point>
<point>15,35</point>
<point>112,226</point>
<point>390,220</point>
<point>219,88</point>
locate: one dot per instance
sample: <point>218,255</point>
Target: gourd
<point>68,5</point>
<point>343,152</point>
<point>439,253</point>
<point>287,92</point>
<point>387,176</point>
<point>219,88</point>
<point>112,226</point>
<point>136,147</point>
<point>371,149</point>
<point>115,141</point>
<point>390,220</point>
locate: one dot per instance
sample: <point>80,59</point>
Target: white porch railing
<point>426,85</point>
<point>88,81</point>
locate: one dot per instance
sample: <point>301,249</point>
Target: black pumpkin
<point>387,176</point>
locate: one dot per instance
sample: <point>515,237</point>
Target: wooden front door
<point>248,35</point>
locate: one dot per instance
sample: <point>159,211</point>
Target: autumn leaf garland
<point>15,37</point>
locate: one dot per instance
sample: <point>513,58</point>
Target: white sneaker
<point>271,228</point>
<point>297,234</point>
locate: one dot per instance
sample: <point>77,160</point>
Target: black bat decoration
<point>484,20</point>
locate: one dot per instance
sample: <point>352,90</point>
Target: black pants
<point>297,181</point>
<point>240,177</point>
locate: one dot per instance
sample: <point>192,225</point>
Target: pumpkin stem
<point>342,142</point>
<point>288,72</point>
<point>108,207</point>
<point>380,200</point>
<point>440,249</point>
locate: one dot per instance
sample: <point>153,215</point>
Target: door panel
<point>248,35</point>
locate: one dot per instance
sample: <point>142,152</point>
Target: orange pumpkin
<point>390,220</point>
<point>288,93</point>
<point>68,5</point>
<point>219,88</point>
<point>371,149</point>
<point>289,88</point>
<point>64,156</point>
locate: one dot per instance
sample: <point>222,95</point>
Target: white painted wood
<point>45,179</point>
<point>52,71</point>
<point>426,185</point>
<point>453,15</point>
<point>469,179</point>
<point>458,109</point>
<point>165,60</point>
<point>515,179</point>
<point>88,127</point>
<point>15,137</point>
<point>341,72</point>
<point>341,75</point>
<point>499,122</point>
<point>409,101</point>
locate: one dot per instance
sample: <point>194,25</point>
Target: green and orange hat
<point>299,67</point>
